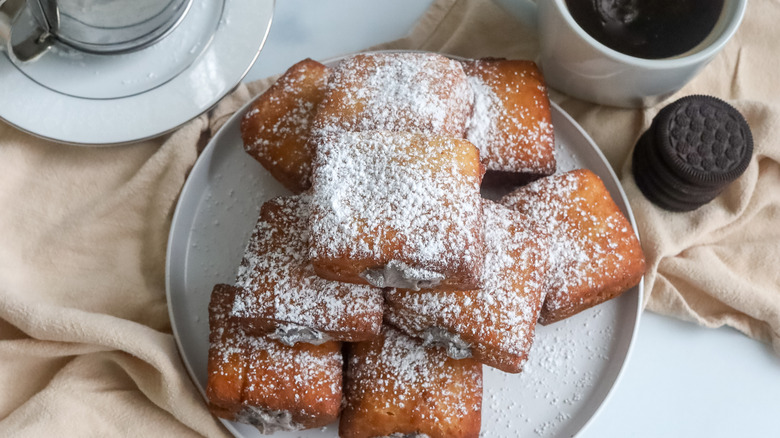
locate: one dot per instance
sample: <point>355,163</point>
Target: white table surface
<point>681,380</point>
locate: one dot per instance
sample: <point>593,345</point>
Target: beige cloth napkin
<point>85,341</point>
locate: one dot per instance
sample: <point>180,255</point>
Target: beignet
<point>275,130</point>
<point>511,122</point>
<point>258,381</point>
<point>279,294</point>
<point>494,325</point>
<point>396,387</point>
<point>397,209</point>
<point>419,92</point>
<point>595,255</point>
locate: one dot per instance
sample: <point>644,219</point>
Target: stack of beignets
<point>386,153</point>
<point>499,105</point>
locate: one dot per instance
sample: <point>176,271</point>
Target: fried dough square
<point>397,209</point>
<point>396,387</point>
<point>595,255</point>
<point>419,92</point>
<point>271,386</point>
<point>494,325</point>
<point>511,123</point>
<point>279,294</point>
<point>275,130</point>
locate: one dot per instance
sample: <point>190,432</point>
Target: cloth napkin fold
<point>85,341</point>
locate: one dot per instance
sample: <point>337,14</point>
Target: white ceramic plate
<point>573,365</point>
<point>78,98</point>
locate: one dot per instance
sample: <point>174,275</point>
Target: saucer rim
<point>101,136</point>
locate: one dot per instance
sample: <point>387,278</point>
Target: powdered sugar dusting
<point>277,282</point>
<point>397,374</point>
<point>420,92</point>
<point>483,123</point>
<point>510,122</point>
<point>545,202</point>
<point>383,196</point>
<point>592,243</point>
<point>263,372</point>
<point>275,131</point>
<point>294,123</point>
<point>563,370</point>
<point>498,320</point>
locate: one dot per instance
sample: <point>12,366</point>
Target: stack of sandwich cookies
<point>693,149</point>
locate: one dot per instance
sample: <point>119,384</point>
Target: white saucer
<point>86,99</point>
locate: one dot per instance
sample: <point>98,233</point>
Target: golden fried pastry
<point>276,128</point>
<point>279,294</point>
<point>396,387</point>
<point>595,255</point>
<point>396,209</point>
<point>511,122</point>
<point>419,92</point>
<point>494,325</point>
<point>258,381</point>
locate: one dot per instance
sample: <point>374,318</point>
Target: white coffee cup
<point>575,63</point>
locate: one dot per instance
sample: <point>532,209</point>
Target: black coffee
<point>647,28</point>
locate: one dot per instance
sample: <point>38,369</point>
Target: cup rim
<point>679,61</point>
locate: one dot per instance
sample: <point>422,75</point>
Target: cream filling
<point>406,435</point>
<point>290,334</point>
<point>452,343</point>
<point>267,421</point>
<point>398,274</point>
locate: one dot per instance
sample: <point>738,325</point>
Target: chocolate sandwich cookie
<point>693,149</point>
<point>658,197</point>
<point>655,193</point>
<point>652,159</point>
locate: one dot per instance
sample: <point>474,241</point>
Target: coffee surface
<point>647,28</point>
